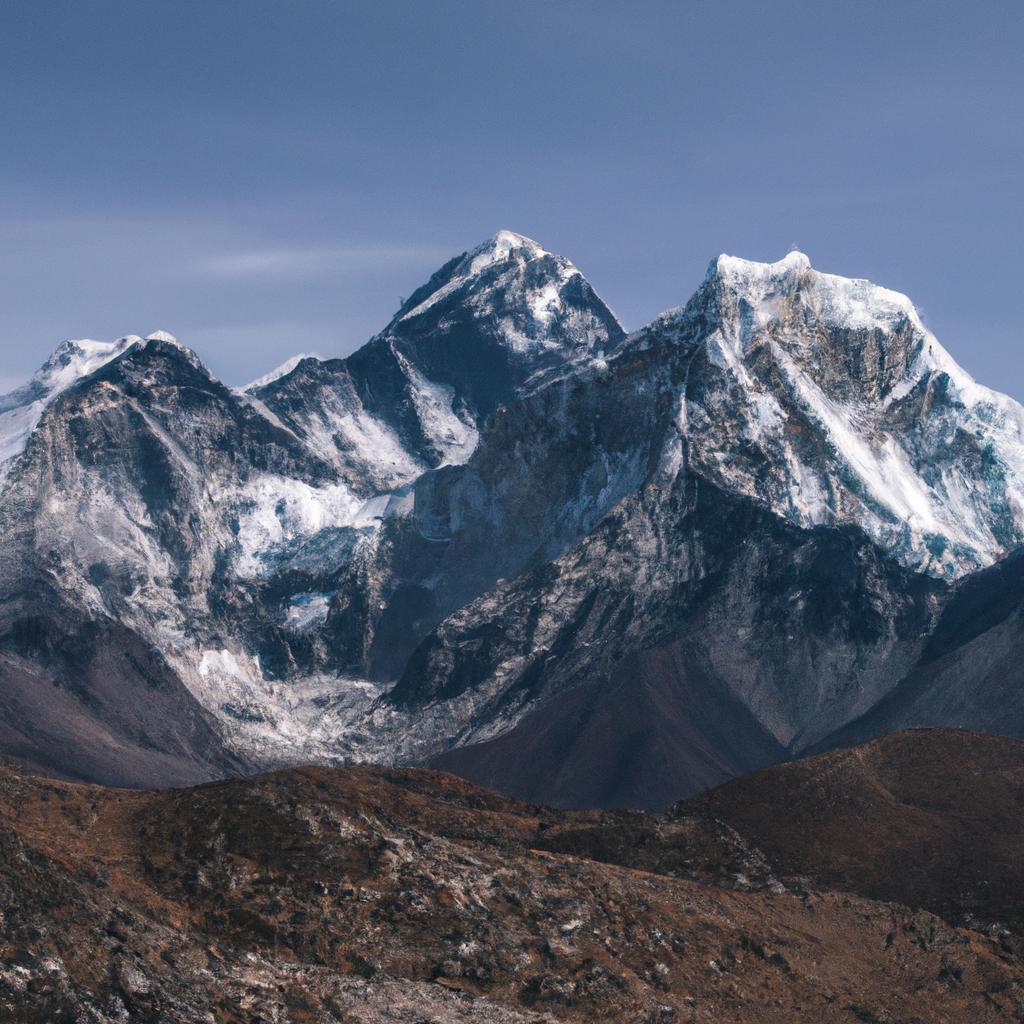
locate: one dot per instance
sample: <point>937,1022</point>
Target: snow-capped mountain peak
<point>70,362</point>
<point>839,302</point>
<point>501,259</point>
<point>489,326</point>
<point>828,398</point>
<point>735,267</point>
<point>504,245</point>
<point>165,336</point>
<point>278,372</point>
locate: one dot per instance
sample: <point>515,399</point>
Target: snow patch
<point>455,438</point>
<point>276,512</point>
<point>307,610</point>
<point>278,372</point>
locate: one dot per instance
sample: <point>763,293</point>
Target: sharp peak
<point>164,336</point>
<point>506,241</point>
<point>502,247</point>
<point>166,345</point>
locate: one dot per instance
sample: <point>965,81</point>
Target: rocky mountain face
<point>382,895</point>
<point>142,496</point>
<point>487,328</point>
<point>743,639</point>
<point>505,538</point>
<point>720,590</point>
<point>970,673</point>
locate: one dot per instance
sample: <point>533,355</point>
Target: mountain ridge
<point>502,511</point>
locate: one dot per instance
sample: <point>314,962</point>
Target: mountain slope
<point>134,491</point>
<point>970,674</point>
<point>21,409</point>
<point>547,469</point>
<point>505,536</point>
<point>489,326</point>
<point>210,527</point>
<point>731,614</point>
<point>364,894</point>
<point>828,400</point>
<point>774,381</point>
<point>930,818</point>
<point>91,700</point>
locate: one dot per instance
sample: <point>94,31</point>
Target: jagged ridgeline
<point>506,538</point>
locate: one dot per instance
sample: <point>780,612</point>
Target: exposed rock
<point>375,895</point>
<point>577,566</point>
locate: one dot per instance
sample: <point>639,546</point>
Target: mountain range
<point>508,539</point>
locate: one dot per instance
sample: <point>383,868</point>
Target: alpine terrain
<point>400,896</point>
<point>506,539</point>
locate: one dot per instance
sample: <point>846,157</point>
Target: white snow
<point>223,666</point>
<point>501,248</point>
<point>278,372</point>
<point>905,485</point>
<point>21,410</point>
<point>454,437</point>
<point>275,512</point>
<point>854,303</point>
<point>735,267</point>
<point>366,440</point>
<point>15,427</point>
<point>884,470</point>
<point>545,302</point>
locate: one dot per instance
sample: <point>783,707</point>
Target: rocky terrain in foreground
<point>385,895</point>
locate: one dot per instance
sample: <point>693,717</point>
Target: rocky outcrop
<point>726,635</point>
<point>399,896</point>
<point>969,674</point>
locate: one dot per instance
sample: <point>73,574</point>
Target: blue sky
<point>262,178</point>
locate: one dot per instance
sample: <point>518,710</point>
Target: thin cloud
<point>326,261</point>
